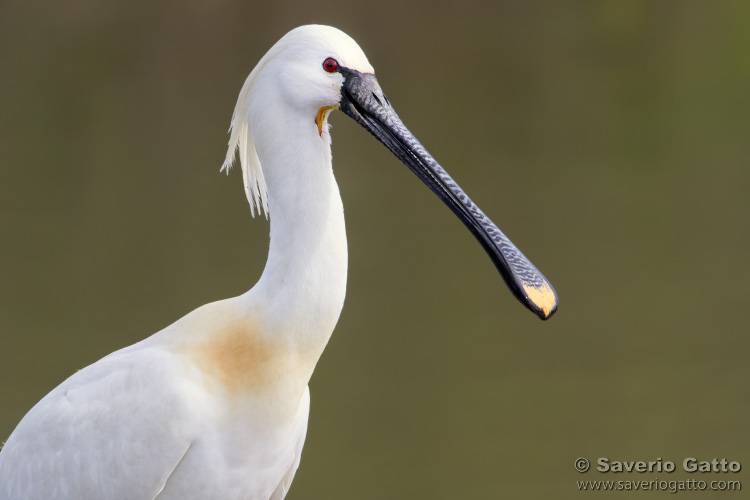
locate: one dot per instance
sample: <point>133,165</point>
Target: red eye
<point>330,65</point>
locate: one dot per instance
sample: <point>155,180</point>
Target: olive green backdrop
<point>609,140</point>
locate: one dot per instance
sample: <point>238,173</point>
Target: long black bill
<point>363,100</point>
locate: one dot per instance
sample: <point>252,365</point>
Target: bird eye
<point>330,65</point>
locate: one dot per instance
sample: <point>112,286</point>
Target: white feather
<point>242,138</point>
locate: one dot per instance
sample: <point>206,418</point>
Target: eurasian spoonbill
<point>215,406</point>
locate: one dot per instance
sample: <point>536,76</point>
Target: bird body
<point>215,406</point>
<point>208,397</point>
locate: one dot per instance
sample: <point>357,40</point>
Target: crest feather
<point>242,138</point>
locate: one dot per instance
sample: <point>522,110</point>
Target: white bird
<point>215,406</point>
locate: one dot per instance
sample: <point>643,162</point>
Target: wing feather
<point>125,418</point>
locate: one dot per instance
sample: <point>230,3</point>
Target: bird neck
<point>301,291</point>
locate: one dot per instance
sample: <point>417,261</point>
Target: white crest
<point>242,138</point>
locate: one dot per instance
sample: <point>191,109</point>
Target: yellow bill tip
<point>543,297</point>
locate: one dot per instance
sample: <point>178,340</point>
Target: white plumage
<point>215,406</point>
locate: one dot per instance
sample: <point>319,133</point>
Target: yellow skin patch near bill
<point>320,118</point>
<point>543,297</point>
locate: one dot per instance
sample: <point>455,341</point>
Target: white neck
<point>301,292</point>
<point>268,341</point>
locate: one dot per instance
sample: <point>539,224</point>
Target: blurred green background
<point>609,140</point>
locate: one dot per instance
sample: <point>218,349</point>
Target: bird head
<point>315,69</point>
<point>299,79</point>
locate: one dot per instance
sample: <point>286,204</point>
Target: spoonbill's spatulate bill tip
<point>215,406</point>
<point>544,299</point>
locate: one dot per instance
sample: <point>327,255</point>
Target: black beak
<point>363,100</point>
